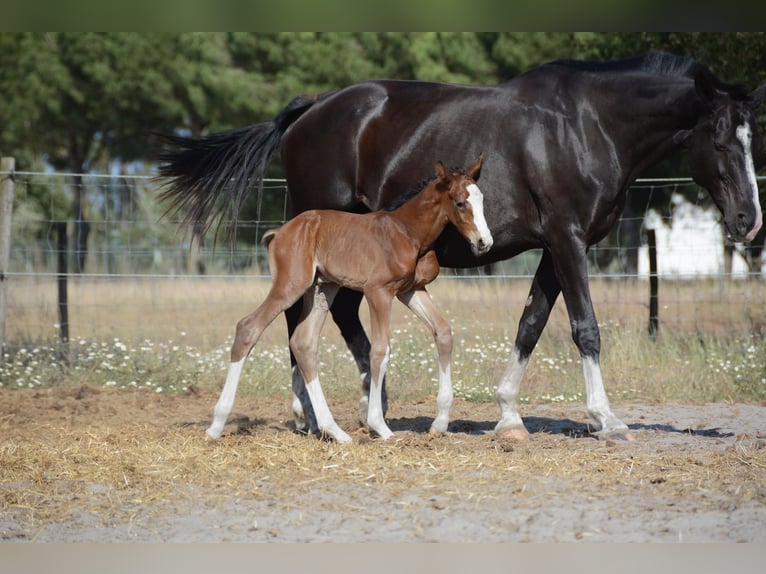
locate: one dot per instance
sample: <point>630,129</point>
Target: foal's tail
<point>212,175</point>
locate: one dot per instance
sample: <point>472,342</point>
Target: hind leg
<point>303,413</point>
<point>249,330</point>
<point>305,344</point>
<point>293,274</point>
<point>345,313</point>
<point>380,353</point>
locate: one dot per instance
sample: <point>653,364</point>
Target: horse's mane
<point>413,191</point>
<point>407,195</point>
<point>658,63</point>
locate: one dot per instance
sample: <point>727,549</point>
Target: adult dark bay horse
<point>563,143</point>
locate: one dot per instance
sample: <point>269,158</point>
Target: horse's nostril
<point>743,223</point>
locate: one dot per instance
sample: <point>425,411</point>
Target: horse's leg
<point>380,353</point>
<point>420,303</point>
<point>303,412</point>
<point>572,272</point>
<point>542,295</point>
<point>249,330</point>
<point>345,313</point>
<point>304,345</point>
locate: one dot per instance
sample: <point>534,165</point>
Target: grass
<point>169,334</point>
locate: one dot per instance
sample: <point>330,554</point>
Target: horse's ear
<point>441,171</point>
<point>705,85</point>
<point>756,97</point>
<point>474,170</point>
<point>681,137</point>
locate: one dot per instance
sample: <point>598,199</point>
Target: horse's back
<point>370,142</point>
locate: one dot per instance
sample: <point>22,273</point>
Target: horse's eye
<point>460,204</point>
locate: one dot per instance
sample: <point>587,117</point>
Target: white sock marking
<point>226,400</point>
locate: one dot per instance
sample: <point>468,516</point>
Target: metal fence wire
<point>134,254</point>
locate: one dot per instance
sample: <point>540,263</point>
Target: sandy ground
<point>694,473</point>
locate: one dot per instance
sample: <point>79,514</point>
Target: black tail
<point>212,175</point>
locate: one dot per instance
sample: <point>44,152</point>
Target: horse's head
<point>465,208</point>
<point>724,147</point>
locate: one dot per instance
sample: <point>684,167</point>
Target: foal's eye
<point>460,204</point>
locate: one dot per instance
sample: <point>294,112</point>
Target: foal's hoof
<point>435,432</point>
<point>211,437</point>
<point>518,433</point>
<point>616,435</point>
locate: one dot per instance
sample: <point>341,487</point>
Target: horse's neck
<point>422,218</point>
<point>649,118</point>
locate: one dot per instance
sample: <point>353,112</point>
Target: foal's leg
<point>303,412</point>
<point>249,330</point>
<point>292,274</point>
<point>420,303</point>
<point>380,353</point>
<point>304,344</point>
<point>345,313</point>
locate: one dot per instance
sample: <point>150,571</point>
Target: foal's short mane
<point>413,191</point>
<point>407,195</point>
<point>659,63</point>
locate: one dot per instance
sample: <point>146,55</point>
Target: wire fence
<point>141,278</point>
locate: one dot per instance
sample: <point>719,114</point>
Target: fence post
<point>7,164</point>
<point>62,250</point>
<point>654,320</point>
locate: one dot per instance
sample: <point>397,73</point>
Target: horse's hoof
<point>383,434</point>
<point>435,432</point>
<point>616,435</point>
<point>210,437</point>
<point>513,432</point>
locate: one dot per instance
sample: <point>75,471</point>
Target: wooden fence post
<point>654,320</point>
<point>7,166</point>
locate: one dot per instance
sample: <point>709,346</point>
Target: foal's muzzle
<point>482,245</point>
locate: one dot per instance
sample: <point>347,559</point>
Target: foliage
<point>85,102</point>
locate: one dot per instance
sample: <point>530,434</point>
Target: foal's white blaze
<point>476,199</point>
<point>745,136</point>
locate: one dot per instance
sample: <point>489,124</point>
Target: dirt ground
<point>102,465</point>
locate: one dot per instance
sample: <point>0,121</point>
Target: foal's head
<point>465,204</point>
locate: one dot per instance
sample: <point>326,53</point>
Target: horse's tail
<point>267,237</point>
<point>212,175</point>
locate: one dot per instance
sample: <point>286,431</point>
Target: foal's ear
<point>474,170</point>
<point>441,171</point>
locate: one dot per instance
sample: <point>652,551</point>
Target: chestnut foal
<point>384,254</point>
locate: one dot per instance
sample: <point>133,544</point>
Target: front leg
<point>420,303</point>
<point>572,272</point>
